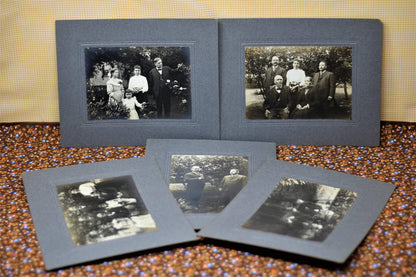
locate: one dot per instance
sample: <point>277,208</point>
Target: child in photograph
<point>131,103</point>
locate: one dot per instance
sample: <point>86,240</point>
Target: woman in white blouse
<point>295,75</point>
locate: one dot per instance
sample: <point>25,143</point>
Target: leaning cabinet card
<point>301,81</point>
<point>123,81</point>
<point>302,210</point>
<point>205,175</point>
<point>94,211</point>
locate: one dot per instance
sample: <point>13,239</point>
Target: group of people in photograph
<point>135,96</point>
<point>292,94</point>
<point>195,185</point>
<point>96,213</point>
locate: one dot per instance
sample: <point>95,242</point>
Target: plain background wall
<point>29,85</point>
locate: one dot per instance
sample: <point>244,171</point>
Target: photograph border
<point>163,149</point>
<point>365,38</point>
<point>340,243</point>
<point>54,237</point>
<point>73,36</point>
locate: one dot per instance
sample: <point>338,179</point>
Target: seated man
<point>278,100</point>
<point>307,102</point>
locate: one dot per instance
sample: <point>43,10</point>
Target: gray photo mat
<point>365,38</point>
<point>73,36</point>
<point>55,240</point>
<point>341,242</point>
<point>163,149</point>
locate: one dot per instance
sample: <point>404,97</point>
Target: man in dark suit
<point>194,183</point>
<point>272,71</point>
<point>159,79</point>
<point>233,183</point>
<point>307,102</point>
<point>324,83</point>
<point>278,100</point>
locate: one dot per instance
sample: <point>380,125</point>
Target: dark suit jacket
<point>325,85</point>
<point>310,98</point>
<point>275,100</point>
<point>269,80</point>
<point>157,82</point>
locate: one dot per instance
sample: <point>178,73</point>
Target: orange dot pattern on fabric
<point>389,249</point>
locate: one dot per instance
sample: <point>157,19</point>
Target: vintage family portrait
<point>206,183</point>
<point>302,209</point>
<point>298,82</point>
<point>104,209</point>
<point>134,82</point>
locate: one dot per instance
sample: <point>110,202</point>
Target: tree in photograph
<point>101,60</point>
<point>213,167</point>
<point>339,61</point>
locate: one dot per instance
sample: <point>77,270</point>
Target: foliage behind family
<point>299,82</point>
<point>138,82</point>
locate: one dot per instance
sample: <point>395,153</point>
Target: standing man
<point>194,183</point>
<point>233,183</point>
<point>272,71</point>
<point>324,83</point>
<point>159,79</point>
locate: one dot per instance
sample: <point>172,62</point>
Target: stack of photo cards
<point>232,191</point>
<point>94,211</point>
<point>302,210</point>
<point>205,175</point>
<point>300,81</point>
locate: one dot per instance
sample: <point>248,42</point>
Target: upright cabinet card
<point>301,81</point>
<point>205,175</point>
<point>123,81</point>
<point>302,210</point>
<point>93,211</point>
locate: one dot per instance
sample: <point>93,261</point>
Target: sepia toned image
<point>302,209</point>
<point>206,183</point>
<point>104,209</point>
<point>138,82</point>
<point>298,82</point>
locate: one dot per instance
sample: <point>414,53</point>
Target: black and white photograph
<point>138,82</point>
<point>104,209</point>
<point>206,183</point>
<point>302,210</point>
<point>298,82</point>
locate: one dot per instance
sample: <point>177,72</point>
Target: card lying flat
<point>93,211</point>
<point>205,175</point>
<point>302,210</point>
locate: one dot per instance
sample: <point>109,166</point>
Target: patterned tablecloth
<point>388,250</point>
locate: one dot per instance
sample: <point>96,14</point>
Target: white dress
<point>115,90</point>
<point>131,104</point>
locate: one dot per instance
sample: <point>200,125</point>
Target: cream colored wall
<point>29,85</point>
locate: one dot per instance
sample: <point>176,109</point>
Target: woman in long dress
<point>131,103</point>
<point>115,89</point>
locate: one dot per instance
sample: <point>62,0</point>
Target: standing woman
<point>115,89</point>
<point>295,76</point>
